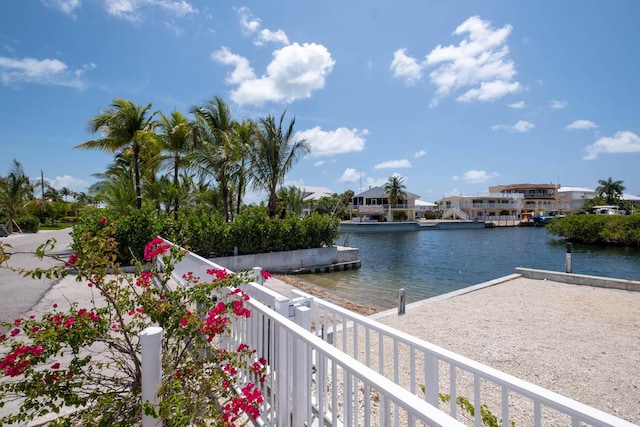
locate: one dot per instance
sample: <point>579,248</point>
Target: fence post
<point>401,302</point>
<point>568,263</point>
<point>151,359</point>
<point>257,275</point>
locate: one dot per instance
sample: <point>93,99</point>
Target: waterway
<point>433,262</point>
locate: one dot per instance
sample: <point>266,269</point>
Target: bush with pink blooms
<point>85,358</point>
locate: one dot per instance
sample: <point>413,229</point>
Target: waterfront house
<point>572,199</point>
<point>537,198</point>
<point>373,205</point>
<point>310,195</point>
<point>483,207</point>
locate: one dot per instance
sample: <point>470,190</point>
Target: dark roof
<point>378,193</point>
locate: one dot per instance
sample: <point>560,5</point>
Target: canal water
<point>433,262</point>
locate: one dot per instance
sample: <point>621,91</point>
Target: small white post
<point>151,359</point>
<point>257,275</point>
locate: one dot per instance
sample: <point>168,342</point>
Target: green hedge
<point>252,231</point>
<point>598,229</point>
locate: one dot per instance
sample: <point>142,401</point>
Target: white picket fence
<point>328,366</point>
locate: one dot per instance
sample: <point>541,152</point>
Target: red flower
<point>154,248</point>
<point>265,274</point>
<point>183,322</point>
<point>55,365</point>
<point>103,220</point>
<point>73,259</point>
<point>15,332</point>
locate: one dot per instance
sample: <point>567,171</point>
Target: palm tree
<point>215,153</point>
<point>65,192</point>
<point>244,134</point>
<point>273,155</point>
<point>394,189</point>
<point>290,201</point>
<point>125,126</point>
<point>177,140</point>
<point>15,190</point>
<point>610,190</point>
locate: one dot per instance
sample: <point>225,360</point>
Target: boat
<point>542,220</point>
<point>607,210</point>
<point>422,224</point>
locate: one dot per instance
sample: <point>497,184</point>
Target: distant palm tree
<point>125,125</point>
<point>65,192</point>
<point>290,201</point>
<point>394,189</point>
<point>216,154</point>
<point>177,140</point>
<point>15,190</point>
<point>244,133</point>
<point>610,190</point>
<point>273,155</point>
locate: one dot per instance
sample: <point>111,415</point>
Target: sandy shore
<point>582,342</point>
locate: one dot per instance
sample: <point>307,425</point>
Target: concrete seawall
<point>332,258</point>
<point>580,279</point>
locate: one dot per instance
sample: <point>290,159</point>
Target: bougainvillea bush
<point>85,358</point>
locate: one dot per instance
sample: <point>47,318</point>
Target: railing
<point>310,382</point>
<point>418,365</point>
<point>329,366</point>
<point>455,212</point>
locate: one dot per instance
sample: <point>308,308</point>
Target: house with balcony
<point>536,198</point>
<point>483,207</point>
<point>373,205</point>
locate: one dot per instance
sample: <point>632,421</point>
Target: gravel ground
<point>579,341</point>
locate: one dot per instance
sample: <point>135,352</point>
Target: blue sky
<point>453,96</point>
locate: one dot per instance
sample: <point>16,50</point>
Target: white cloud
<point>476,176</point>
<point>40,71</point>
<point>419,153</point>
<point>621,142</point>
<point>520,126</point>
<point>518,105</point>
<point>295,72</point>
<point>339,141</point>
<point>406,68</point>
<point>351,175</point>
<point>319,163</point>
<point>251,25</point>
<point>65,6</point>
<point>581,124</point>
<point>68,181</point>
<point>392,164</point>
<point>242,70</point>
<point>376,182</point>
<point>558,105</point>
<point>479,61</point>
<point>130,9</point>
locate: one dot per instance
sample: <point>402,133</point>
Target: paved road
<point>17,294</point>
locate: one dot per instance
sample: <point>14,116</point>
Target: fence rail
<point>443,375</point>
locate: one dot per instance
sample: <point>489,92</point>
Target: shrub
<point>28,223</point>
<point>87,357</point>
<point>598,229</point>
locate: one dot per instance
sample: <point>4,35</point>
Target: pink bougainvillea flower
<point>15,332</point>
<point>103,220</point>
<point>265,274</point>
<point>183,322</point>
<point>55,365</point>
<point>154,248</point>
